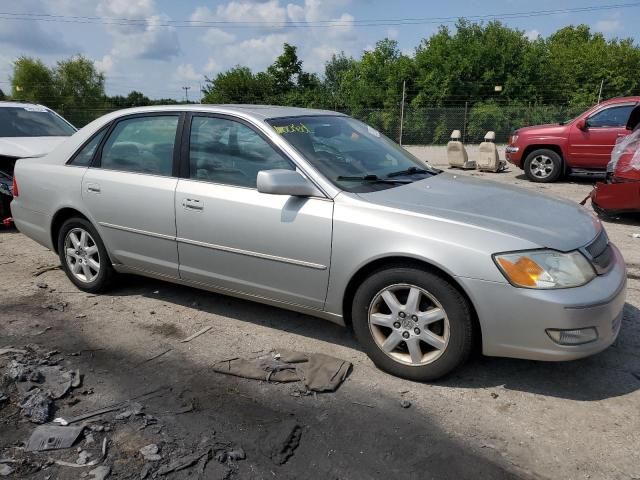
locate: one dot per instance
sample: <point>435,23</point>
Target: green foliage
<point>2,95</point>
<point>32,81</point>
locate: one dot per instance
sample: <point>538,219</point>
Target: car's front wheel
<point>543,166</point>
<point>83,256</point>
<point>412,323</point>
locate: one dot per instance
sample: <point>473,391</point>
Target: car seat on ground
<point>488,158</point>
<point>457,154</point>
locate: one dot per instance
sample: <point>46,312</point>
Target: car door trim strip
<point>135,230</point>
<point>249,253</point>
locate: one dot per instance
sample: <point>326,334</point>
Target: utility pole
<point>186,93</point>
<point>464,124</point>
<point>404,87</point>
<point>600,92</point>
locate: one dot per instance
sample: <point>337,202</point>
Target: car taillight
<point>14,188</point>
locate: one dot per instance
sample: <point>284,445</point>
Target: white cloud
<point>315,45</point>
<point>532,34</point>
<point>105,65</point>
<point>187,73</point>
<point>216,36</point>
<point>611,25</point>
<point>148,37</point>
<point>270,13</point>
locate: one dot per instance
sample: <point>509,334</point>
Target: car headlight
<point>545,269</point>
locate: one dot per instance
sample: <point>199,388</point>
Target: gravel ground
<point>493,418</point>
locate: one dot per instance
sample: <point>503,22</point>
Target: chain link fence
<point>428,125</point>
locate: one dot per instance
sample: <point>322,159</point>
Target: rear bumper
<point>513,155</point>
<point>33,224</point>
<point>514,320</point>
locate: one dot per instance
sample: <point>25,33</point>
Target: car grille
<point>600,253</point>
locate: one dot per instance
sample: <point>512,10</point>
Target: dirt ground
<point>494,418</point>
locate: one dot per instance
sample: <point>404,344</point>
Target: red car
<point>621,192</point>
<point>582,145</point>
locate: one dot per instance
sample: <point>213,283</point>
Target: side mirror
<point>582,124</point>
<point>285,182</point>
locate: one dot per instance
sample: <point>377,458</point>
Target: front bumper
<point>514,320</point>
<point>513,155</point>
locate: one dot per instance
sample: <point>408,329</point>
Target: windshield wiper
<point>370,178</point>
<point>408,171</point>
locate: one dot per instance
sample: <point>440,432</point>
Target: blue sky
<point>158,56</point>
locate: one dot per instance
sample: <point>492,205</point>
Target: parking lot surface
<point>493,418</point>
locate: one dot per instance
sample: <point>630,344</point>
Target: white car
<point>26,130</point>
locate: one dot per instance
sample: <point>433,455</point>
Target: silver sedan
<point>316,212</point>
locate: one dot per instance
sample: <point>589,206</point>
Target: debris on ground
<point>405,403</point>
<point>134,409</point>
<point>318,372</point>
<point>45,268</point>
<point>53,437</point>
<point>37,406</point>
<point>280,442</point>
<point>99,473</point>
<point>5,470</point>
<point>150,453</point>
<point>197,334</point>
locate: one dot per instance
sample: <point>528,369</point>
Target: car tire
<point>448,341</point>
<point>543,166</point>
<point>79,234</point>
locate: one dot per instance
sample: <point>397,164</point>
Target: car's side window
<point>228,152</point>
<point>141,145</point>
<point>611,117</point>
<point>84,156</point>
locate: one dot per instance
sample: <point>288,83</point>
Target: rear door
<point>233,237</point>
<point>130,190</point>
<point>591,148</point>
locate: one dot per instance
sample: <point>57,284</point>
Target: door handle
<point>93,188</point>
<point>192,204</point>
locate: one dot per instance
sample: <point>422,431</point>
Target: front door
<point>130,193</point>
<point>592,146</point>
<point>236,238</point>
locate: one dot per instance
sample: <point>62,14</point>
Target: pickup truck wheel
<point>83,256</point>
<point>412,323</point>
<point>543,166</point>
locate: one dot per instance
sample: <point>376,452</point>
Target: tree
<point>32,81</point>
<point>285,71</point>
<point>2,95</point>
<point>237,85</point>
<point>78,83</point>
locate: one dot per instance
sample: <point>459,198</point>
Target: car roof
<point>258,112</point>
<point>620,100</point>
<point>9,104</point>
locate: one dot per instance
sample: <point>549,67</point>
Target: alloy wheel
<point>409,324</point>
<point>82,255</point>
<point>541,166</point>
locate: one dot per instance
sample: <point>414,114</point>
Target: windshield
<point>32,121</point>
<point>354,156</point>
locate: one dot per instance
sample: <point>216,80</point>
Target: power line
<point>105,20</point>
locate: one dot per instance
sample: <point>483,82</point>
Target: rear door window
<point>142,145</point>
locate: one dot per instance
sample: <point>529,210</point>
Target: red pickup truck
<point>582,145</point>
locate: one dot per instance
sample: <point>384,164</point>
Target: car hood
<point>542,220</point>
<point>549,129</point>
<point>20,147</point>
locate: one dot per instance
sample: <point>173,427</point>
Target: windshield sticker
<point>293,128</point>
<point>373,132</point>
<point>35,108</point>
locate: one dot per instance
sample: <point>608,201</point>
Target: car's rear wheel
<point>84,257</point>
<point>412,323</point>
<point>543,166</point>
